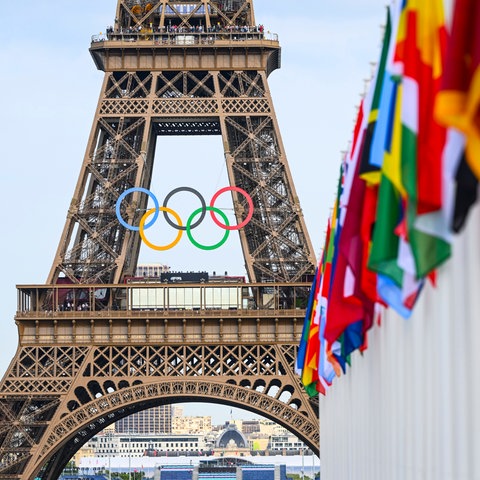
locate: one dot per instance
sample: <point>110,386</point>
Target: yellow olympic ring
<point>142,232</point>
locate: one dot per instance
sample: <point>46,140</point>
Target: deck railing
<point>185,299</point>
<point>181,39</point>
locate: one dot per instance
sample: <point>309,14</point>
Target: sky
<point>49,90</point>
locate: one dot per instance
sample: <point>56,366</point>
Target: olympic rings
<point>142,232</point>
<point>179,225</point>
<point>205,247</point>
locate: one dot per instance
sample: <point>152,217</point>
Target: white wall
<point>410,407</point>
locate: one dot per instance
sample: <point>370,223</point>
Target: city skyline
<point>220,413</point>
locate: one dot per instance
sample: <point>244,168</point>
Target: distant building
<point>177,410</point>
<point>272,428</point>
<point>231,437</point>
<point>250,426</point>
<point>154,420</point>
<point>285,443</point>
<point>109,428</point>
<point>258,442</point>
<point>237,422</point>
<point>86,451</point>
<point>125,445</point>
<point>151,270</point>
<point>196,424</point>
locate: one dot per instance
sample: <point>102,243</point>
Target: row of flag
<point>405,185</point>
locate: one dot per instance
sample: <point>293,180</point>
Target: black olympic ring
<point>185,189</point>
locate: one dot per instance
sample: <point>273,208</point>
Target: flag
<point>381,138</point>
<point>387,257</point>
<point>390,211</point>
<point>459,191</point>
<point>349,307</point>
<point>383,201</point>
<point>414,154</point>
<point>302,349</point>
<point>420,51</point>
<point>466,193</point>
<point>368,280</point>
<point>458,103</point>
<point>307,356</point>
<point>342,312</point>
<point>457,107</point>
<point>369,163</point>
<point>328,364</point>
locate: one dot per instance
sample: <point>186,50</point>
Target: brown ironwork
<point>91,348</point>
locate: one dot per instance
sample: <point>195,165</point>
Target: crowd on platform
<point>201,33</point>
<point>70,306</point>
<point>174,29</point>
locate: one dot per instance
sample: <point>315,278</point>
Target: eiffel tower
<point>90,352</point>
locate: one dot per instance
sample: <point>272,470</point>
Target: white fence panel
<point>409,407</point>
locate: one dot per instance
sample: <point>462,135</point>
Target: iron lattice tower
<point>196,67</point>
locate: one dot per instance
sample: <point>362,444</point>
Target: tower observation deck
<point>206,35</point>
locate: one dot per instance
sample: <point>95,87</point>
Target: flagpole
<point>303,464</point>
<point>129,455</point>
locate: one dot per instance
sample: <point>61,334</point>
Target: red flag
<point>420,50</point>
<point>458,103</point>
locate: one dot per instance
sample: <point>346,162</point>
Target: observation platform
<point>190,51</point>
<point>141,313</point>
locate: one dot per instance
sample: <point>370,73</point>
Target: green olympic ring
<point>206,247</point>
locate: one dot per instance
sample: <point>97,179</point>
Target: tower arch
<point>67,434</point>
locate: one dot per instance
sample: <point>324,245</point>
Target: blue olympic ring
<point>119,202</point>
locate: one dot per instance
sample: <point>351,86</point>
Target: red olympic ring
<point>250,208</point>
